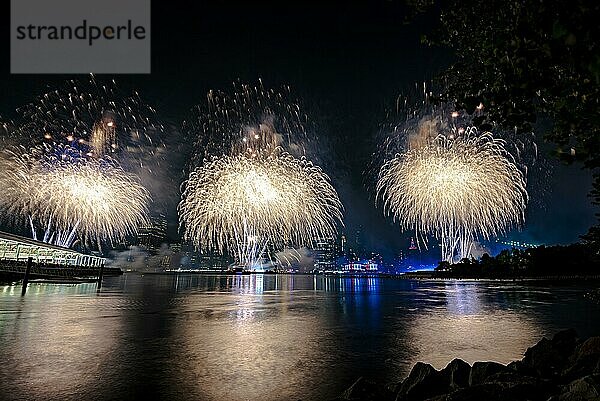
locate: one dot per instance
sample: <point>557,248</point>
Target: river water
<point>202,337</point>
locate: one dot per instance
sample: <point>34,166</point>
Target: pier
<point>47,261</point>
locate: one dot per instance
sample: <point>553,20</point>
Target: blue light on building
<point>361,266</point>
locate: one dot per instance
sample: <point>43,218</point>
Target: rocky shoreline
<point>564,368</point>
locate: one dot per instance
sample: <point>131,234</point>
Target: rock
<point>486,392</point>
<point>585,389</point>
<point>520,387</point>
<point>482,370</point>
<point>441,397</point>
<point>541,358</point>
<point>585,360</point>
<point>589,347</point>
<point>520,368</point>
<point>548,358</point>
<point>423,382</point>
<point>457,374</point>
<point>364,390</point>
<point>565,340</point>
<point>542,375</point>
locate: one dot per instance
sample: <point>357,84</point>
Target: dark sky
<point>348,60</point>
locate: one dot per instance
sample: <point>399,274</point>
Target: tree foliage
<point>558,261</point>
<point>526,59</point>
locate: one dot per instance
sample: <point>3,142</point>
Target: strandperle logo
<point>85,31</point>
<point>80,36</point>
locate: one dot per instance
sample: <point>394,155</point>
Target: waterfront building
<point>324,254</point>
<point>17,249</point>
<point>361,266</point>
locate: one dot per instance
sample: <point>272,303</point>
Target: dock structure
<point>14,248</point>
<point>22,257</point>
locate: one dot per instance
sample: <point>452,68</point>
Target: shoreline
<point>12,278</point>
<point>564,368</point>
<point>429,276</point>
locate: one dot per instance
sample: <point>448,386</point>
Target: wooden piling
<point>100,276</point>
<point>26,277</point>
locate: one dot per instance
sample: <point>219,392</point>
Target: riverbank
<point>418,275</point>
<point>564,368</point>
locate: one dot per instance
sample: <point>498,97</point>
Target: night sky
<point>346,61</point>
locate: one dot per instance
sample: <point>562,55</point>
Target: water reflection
<point>262,337</point>
<point>466,325</point>
<point>47,342</point>
<point>462,299</point>
<point>264,350</point>
<point>259,283</point>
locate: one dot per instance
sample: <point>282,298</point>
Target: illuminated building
<point>324,254</point>
<point>361,265</point>
<point>189,257</point>
<point>151,236</point>
<point>14,248</point>
<point>413,255</point>
<point>210,261</point>
<point>343,245</point>
<point>356,248</point>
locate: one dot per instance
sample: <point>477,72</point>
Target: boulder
<point>548,358</point>
<point>422,383</point>
<point>482,370</point>
<point>585,360</point>
<point>364,390</point>
<point>521,387</point>
<point>585,389</point>
<point>441,397</point>
<point>457,373</point>
<point>565,340</point>
<point>485,392</point>
<point>541,358</point>
<point>560,369</point>
<point>520,368</point>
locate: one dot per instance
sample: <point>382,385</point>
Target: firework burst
<point>420,117</point>
<point>457,188</point>
<point>87,127</point>
<point>248,117</point>
<point>92,115</point>
<point>251,191</point>
<point>246,204</point>
<point>71,196</point>
<point>98,118</point>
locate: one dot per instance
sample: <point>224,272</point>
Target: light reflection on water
<point>271,337</point>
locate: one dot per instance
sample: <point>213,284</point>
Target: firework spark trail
<point>251,116</point>
<point>245,202</point>
<point>97,113</point>
<point>250,190</point>
<point>72,196</point>
<point>419,117</point>
<point>455,188</point>
<point>97,117</point>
